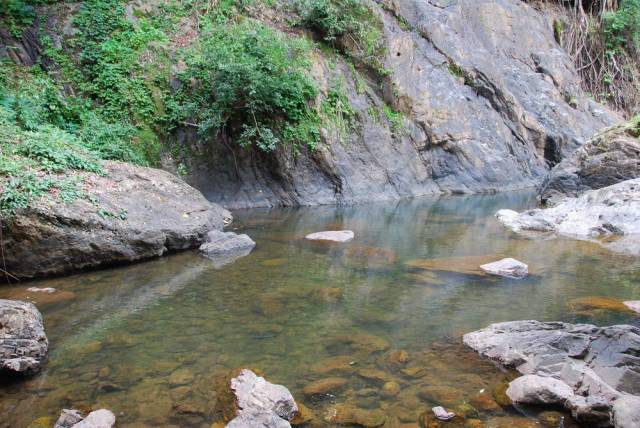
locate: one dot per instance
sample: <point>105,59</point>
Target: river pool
<point>381,317</point>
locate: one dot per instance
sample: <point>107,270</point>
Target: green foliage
<point>248,82</point>
<point>396,120</point>
<point>622,27</point>
<point>46,138</point>
<point>336,108</point>
<point>350,25</point>
<point>16,15</point>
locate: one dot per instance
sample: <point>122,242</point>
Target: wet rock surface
<point>584,368</point>
<point>223,248</point>
<point>611,157</point>
<point>23,343</point>
<point>611,213</point>
<point>331,236</point>
<point>151,213</point>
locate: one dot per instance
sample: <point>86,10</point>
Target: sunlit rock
<point>533,389</point>
<point>331,236</point>
<point>23,343</point>
<point>509,268</point>
<point>634,305</point>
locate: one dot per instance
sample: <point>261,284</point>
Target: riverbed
<point>381,317</point>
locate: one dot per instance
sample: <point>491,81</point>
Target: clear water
<point>149,340</point>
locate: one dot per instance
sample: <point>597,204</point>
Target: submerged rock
<point>510,268</point>
<point>150,213</point>
<point>23,343</point>
<point>223,248</point>
<point>344,414</point>
<point>610,212</point>
<point>591,305</point>
<point>332,236</point>
<point>612,156</point>
<point>584,368</point>
<point>323,387</point>
<point>466,265</point>
<point>248,400</point>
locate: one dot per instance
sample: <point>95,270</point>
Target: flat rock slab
<point>102,418</point>
<point>585,368</point>
<point>23,343</point>
<point>332,236</point>
<point>509,268</point>
<point>634,305</point>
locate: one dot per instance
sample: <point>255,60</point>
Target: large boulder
<point>612,156</point>
<point>135,213</point>
<point>248,400</point>
<point>23,343</point>
<point>585,368</point>
<point>611,212</point>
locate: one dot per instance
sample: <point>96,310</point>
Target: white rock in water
<point>102,418</point>
<point>634,305</point>
<point>534,389</point>
<point>332,235</point>
<point>510,268</point>
<point>442,414</point>
<point>47,290</point>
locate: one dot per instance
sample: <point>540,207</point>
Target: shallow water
<point>149,340</point>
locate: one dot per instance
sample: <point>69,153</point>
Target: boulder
<point>583,367</point>
<point>612,156</point>
<point>248,400</point>
<point>223,248</point>
<point>611,212</point>
<point>509,268</point>
<point>68,418</point>
<point>134,213</point>
<point>626,412</point>
<point>534,389</point>
<point>331,236</point>
<point>23,343</point>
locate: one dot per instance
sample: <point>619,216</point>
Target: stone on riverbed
<point>509,268</point>
<point>102,418</point>
<point>331,236</point>
<point>587,368</point>
<point>23,343</point>
<point>226,247</point>
<point>611,212</point>
<point>248,400</point>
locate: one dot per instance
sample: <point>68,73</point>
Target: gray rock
<point>102,418</point>
<point>223,248</point>
<point>626,412</point>
<point>634,305</point>
<point>153,213</point>
<point>489,102</point>
<point>331,235</point>
<point>258,420</point>
<point>598,364</point>
<point>68,418</point>
<point>442,414</point>
<point>611,157</point>
<point>260,403</point>
<point>534,389</point>
<point>510,268</point>
<point>23,343</point>
<point>612,211</point>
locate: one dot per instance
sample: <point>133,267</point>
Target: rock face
<point>258,403</point>
<point>226,247</point>
<point>331,235</point>
<point>23,343</point>
<point>610,157</point>
<point>488,99</point>
<point>149,212</point>
<point>592,371</point>
<point>509,268</point>
<point>612,211</point>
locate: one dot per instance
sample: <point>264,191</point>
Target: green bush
<point>622,27</point>
<point>249,82</point>
<point>350,25</point>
